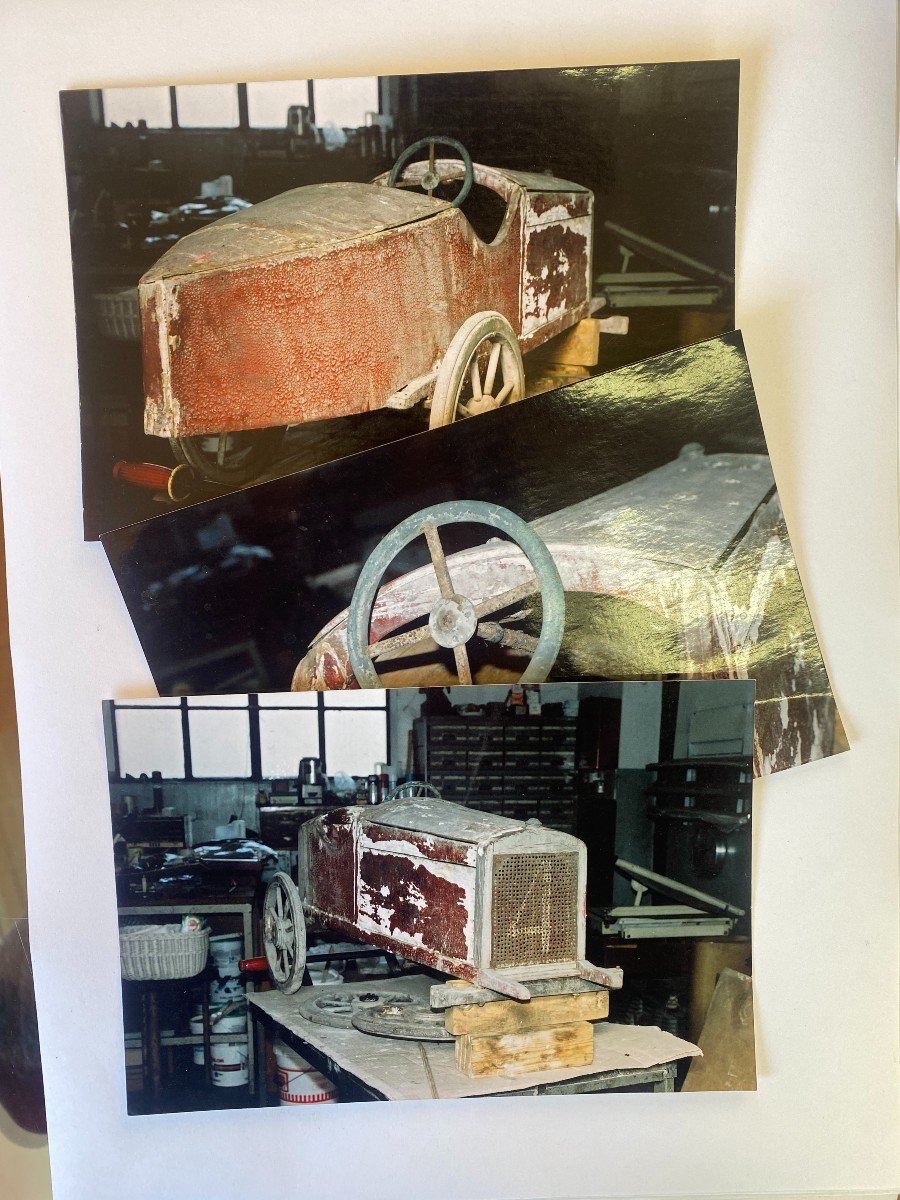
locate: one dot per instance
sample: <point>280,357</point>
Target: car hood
<point>306,220</point>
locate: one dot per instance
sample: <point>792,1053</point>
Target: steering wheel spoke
<point>463,670</point>
<point>438,561</point>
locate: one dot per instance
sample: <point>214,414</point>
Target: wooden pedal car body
<point>339,298</point>
<point>479,896</point>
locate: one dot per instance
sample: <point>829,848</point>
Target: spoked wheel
<point>430,176</point>
<point>453,620</point>
<point>482,370</point>
<point>238,457</point>
<point>284,933</point>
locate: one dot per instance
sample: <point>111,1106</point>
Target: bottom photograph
<point>433,893</point>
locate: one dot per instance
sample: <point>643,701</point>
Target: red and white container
<point>298,1081</point>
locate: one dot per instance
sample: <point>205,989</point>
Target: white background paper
<point>816,302</point>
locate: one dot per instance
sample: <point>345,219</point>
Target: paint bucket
<point>225,990</point>
<point>229,1064</point>
<point>298,1081</point>
<point>234,1023</point>
<point>226,950</point>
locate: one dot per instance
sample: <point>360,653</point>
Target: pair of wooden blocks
<point>508,1037</point>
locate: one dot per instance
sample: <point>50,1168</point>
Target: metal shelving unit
<point>518,766</point>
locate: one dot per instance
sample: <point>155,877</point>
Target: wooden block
<point>577,347</point>
<point>522,1053</point>
<point>548,376</point>
<point>513,1016</point>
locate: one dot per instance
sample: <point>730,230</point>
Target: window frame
<point>243,122</point>
<point>253,709</point>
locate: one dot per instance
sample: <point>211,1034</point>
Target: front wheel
<point>230,458</point>
<point>481,370</point>
<point>284,933</point>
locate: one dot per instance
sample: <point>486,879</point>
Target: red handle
<point>253,965</point>
<point>156,478</point>
<point>145,475</point>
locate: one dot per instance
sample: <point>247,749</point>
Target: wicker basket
<point>118,313</point>
<point>162,952</point>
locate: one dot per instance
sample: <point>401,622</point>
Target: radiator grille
<point>534,916</point>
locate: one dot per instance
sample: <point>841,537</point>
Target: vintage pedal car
<point>686,571</point>
<point>482,897</point>
<point>340,298</point>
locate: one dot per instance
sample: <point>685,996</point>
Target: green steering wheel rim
<point>456,512</point>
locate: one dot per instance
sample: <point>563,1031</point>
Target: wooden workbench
<point>393,1068</point>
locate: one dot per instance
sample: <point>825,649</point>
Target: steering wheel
<point>432,176</point>
<point>453,619</point>
<point>414,789</point>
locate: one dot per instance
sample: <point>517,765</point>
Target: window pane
<point>220,743</point>
<point>207,105</point>
<point>150,740</point>
<point>345,102</point>
<point>268,103</point>
<point>286,737</point>
<point>355,741</point>
<point>217,701</point>
<point>287,700</point>
<point>361,698</point>
<point>150,104</point>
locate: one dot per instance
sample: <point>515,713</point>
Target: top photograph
<point>269,276</point>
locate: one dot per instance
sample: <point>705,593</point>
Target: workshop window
<point>207,106</point>
<point>123,106</point>
<point>288,731</point>
<point>149,739</point>
<point>356,731</point>
<point>219,737</point>
<point>268,103</point>
<point>345,102</point>
<point>249,737</point>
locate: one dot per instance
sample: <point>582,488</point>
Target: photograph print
<point>430,894</point>
<point>627,526</point>
<point>273,275</point>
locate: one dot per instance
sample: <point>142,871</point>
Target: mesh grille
<point>535,909</point>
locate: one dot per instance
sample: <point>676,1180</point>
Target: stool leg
<point>207,1044</point>
<point>153,1047</point>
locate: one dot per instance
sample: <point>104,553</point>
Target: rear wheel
<point>482,370</point>
<point>238,457</point>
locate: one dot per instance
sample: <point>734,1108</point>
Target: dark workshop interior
<point>656,144</point>
<point>210,798</point>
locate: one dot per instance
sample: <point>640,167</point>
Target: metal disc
<point>334,1006</point>
<point>399,1020</point>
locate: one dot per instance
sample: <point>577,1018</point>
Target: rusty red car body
<point>482,897</point>
<point>339,298</point>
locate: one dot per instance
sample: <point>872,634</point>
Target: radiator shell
<point>448,886</point>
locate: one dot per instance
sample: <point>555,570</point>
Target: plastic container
<point>298,1081</point>
<point>230,1064</point>
<point>225,989</point>
<point>234,1023</point>
<point>226,950</point>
